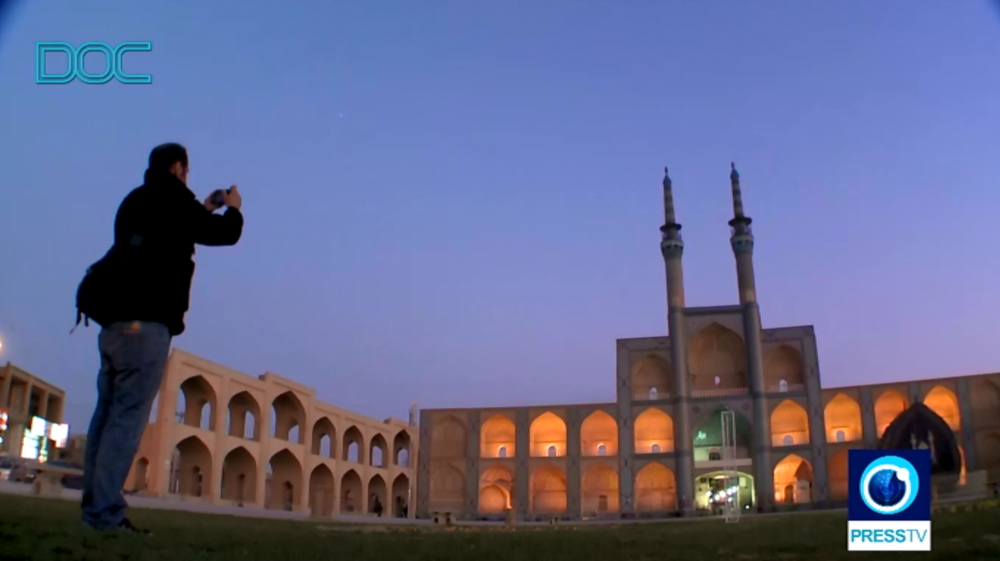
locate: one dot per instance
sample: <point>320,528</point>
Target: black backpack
<point>97,294</point>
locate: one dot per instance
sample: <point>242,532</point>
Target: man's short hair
<point>166,155</point>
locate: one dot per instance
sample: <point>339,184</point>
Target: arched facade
<point>786,449</point>
<point>270,444</point>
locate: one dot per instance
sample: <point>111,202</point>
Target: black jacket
<point>156,229</point>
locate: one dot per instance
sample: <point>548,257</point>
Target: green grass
<point>40,529</point>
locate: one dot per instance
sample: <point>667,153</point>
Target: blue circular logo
<point>889,485</point>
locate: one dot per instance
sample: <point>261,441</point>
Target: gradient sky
<point>458,202</point>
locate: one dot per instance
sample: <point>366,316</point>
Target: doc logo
<point>889,506</point>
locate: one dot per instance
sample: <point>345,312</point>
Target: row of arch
<point>717,360</point>
<point>653,429</point>
<point>193,474</point>
<point>197,404</point>
<point>655,487</point>
<point>653,434</point>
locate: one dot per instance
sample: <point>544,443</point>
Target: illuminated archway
<point>654,432</point>
<point>599,489</point>
<point>655,489</point>
<point>888,406</point>
<point>497,433</point>
<point>793,480</point>
<point>495,486</point>
<point>547,432</point>
<point>789,424</point>
<point>548,490</point>
<point>944,402</point>
<point>599,429</point>
<point>842,417</point>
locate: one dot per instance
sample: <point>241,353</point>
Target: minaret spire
<point>672,247</point>
<point>668,198</point>
<point>741,239</point>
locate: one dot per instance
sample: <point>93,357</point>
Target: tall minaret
<point>672,247</point>
<point>742,241</point>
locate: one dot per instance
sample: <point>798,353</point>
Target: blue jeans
<point>133,359</point>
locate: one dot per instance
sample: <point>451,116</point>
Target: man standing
<point>139,293</point>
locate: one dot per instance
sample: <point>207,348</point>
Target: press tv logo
<point>889,506</point>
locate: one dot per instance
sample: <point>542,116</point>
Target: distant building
<point>223,437</point>
<point>721,409</point>
<point>31,415</point>
<point>75,449</point>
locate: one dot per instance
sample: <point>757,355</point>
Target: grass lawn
<point>41,529</point>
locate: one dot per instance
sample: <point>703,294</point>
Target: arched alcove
<point>548,490</point>
<point>784,364</point>
<point>448,438</point>
<point>378,496</point>
<point>888,406</point>
<point>199,403</point>
<point>655,489</point>
<point>239,477</point>
<point>286,481</point>
<point>350,492</point>
<point>717,352</point>
<point>789,424</point>
<point>377,451</point>
<point>944,402</point>
<point>495,488</point>
<point>193,468</point>
<point>244,417</point>
<point>321,492</point>
<point>652,376</point>
<point>599,430</point>
<point>599,489</point>
<point>498,432</point>
<point>401,496</point>
<point>401,449</point>
<point>654,432</point>
<point>447,493</point>
<point>548,432</point>
<point>324,439</point>
<point>288,416</point>
<point>793,480</point>
<point>842,417</point>
<point>708,439</point>
<point>353,445</point>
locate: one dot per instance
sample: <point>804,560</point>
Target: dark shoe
<point>126,526</point>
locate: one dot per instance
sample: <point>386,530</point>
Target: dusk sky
<point>458,202</point>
